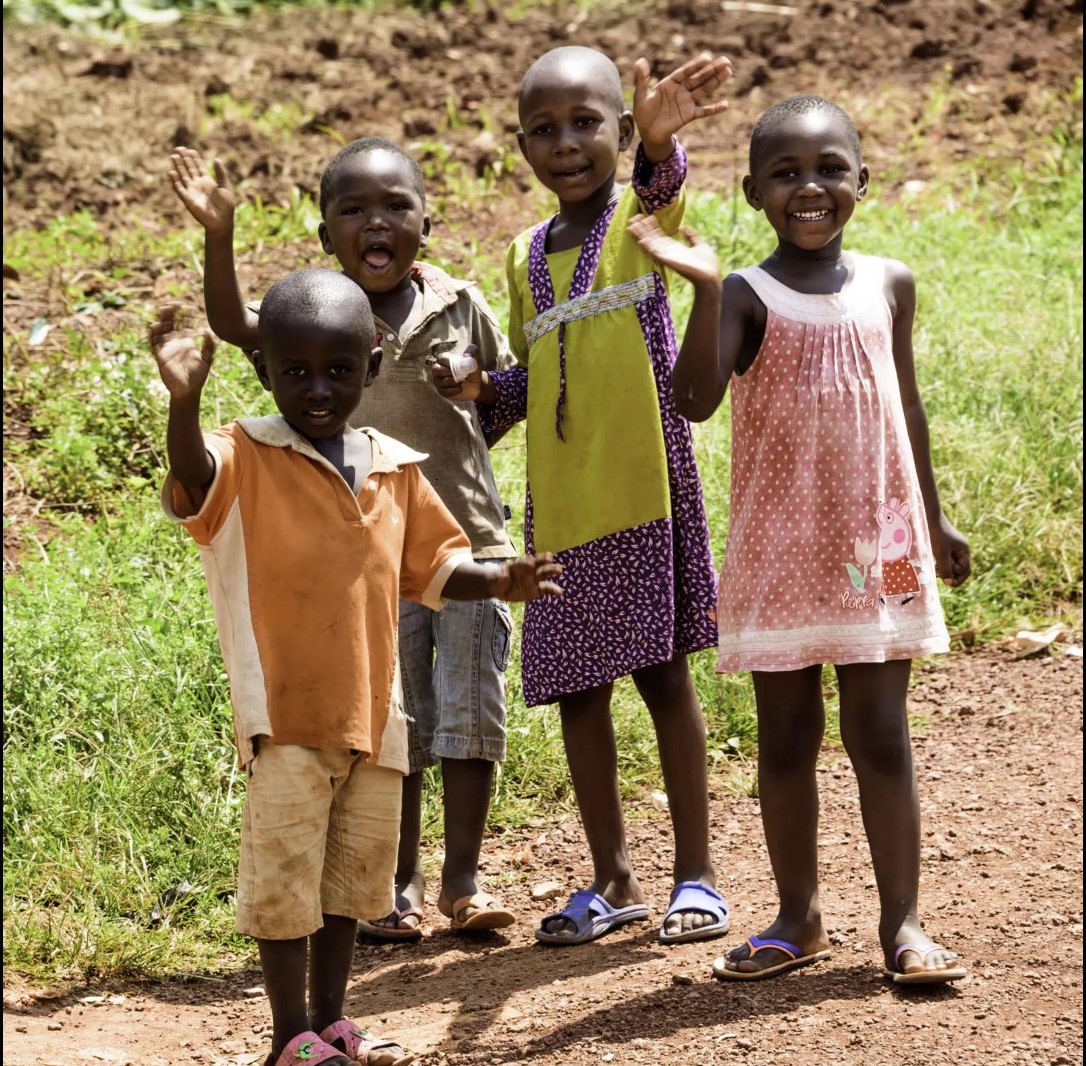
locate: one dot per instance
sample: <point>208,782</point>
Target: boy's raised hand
<point>686,94</point>
<point>182,365</point>
<point>530,577</point>
<point>694,260</point>
<point>210,200</point>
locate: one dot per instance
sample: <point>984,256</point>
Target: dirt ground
<point>998,746</point>
<point>998,742</point>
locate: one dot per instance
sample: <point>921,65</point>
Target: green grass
<point>119,781</point>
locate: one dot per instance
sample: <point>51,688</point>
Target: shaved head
<point>775,118</point>
<point>574,65</point>
<point>315,299</point>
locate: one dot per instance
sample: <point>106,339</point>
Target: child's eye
<point>586,122</point>
<point>539,130</point>
<point>295,372</point>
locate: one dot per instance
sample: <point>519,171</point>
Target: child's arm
<point>183,368</point>
<point>684,96</point>
<point>526,578</point>
<point>718,319</point>
<point>952,561</point>
<point>211,201</point>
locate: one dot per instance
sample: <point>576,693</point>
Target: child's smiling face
<point>571,131</point>
<point>807,179</point>
<point>375,220</point>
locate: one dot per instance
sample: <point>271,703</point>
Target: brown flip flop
<point>899,975</point>
<point>478,913</point>
<point>393,934</point>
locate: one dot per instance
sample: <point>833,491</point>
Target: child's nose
<point>567,139</point>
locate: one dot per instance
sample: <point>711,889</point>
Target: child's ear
<point>374,368</point>
<point>425,239</point>
<point>862,185</point>
<point>522,143</point>
<point>750,191</point>
<point>326,243</point>
<point>626,130</point>
<point>260,365</point>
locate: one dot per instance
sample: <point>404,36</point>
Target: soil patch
<point>998,749</point>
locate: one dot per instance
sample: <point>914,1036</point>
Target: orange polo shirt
<point>305,579</point>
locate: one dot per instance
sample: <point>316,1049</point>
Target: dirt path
<point>998,746</point>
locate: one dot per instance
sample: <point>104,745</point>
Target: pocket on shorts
<point>503,634</point>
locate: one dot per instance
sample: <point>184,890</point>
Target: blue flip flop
<point>694,896</point>
<point>592,915</point>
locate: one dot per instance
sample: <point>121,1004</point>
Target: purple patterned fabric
<point>640,596</point>
<point>657,184</point>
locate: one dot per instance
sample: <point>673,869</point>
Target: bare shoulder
<point>899,286</point>
<point>736,289</point>
<point>739,301</point>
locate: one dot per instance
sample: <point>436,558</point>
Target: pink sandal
<point>309,1049</point>
<point>364,1047</point>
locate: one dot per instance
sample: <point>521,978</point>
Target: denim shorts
<point>452,664</point>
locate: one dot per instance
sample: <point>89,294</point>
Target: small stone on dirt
<point>546,890</point>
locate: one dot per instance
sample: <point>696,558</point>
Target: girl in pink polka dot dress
<point>836,532</point>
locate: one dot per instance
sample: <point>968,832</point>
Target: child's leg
<point>791,722</point>
<point>410,880</point>
<point>668,692</point>
<point>285,963</point>
<point>589,737</point>
<point>467,800</point>
<point>331,949</point>
<point>416,650</point>
<point>875,731</point>
<point>472,642</point>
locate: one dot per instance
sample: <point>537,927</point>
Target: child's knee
<point>666,688</point>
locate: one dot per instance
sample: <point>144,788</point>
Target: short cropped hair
<point>359,147</point>
<point>793,106</point>
<point>315,297</point>
<point>603,69</point>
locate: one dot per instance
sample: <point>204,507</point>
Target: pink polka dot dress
<point>828,557</point>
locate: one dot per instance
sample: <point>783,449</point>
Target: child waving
<point>613,489</point>
<point>836,532</point>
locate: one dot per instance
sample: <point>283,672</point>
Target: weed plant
<point>121,794</point>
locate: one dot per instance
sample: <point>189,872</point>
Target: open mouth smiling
<point>377,257</point>
<point>811,216</point>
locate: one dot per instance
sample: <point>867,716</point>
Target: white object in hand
<point>461,366</point>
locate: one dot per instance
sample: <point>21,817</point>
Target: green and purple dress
<point>613,488</point>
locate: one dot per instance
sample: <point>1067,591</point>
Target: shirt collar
<point>276,432</point>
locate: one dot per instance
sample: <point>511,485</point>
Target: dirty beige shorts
<point>318,836</point>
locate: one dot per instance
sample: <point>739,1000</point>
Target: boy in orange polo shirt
<point>310,531</point>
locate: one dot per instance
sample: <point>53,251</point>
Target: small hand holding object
<point>458,377</point>
<point>182,365</point>
<point>952,558</point>
<point>210,200</point>
<point>693,259</point>
<point>685,95</point>
<point>530,577</point>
